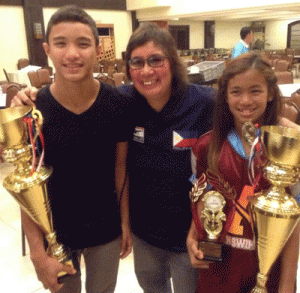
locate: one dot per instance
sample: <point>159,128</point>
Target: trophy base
<point>211,250</point>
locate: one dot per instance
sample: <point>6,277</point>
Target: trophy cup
<point>27,184</point>
<point>275,213</point>
<point>213,216</point>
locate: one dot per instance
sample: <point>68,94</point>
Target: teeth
<point>148,82</point>
<point>72,66</point>
<point>247,110</point>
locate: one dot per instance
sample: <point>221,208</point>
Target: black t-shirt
<point>81,150</point>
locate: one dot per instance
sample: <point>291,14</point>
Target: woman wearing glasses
<point>170,115</point>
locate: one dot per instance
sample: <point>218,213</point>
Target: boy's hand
<point>24,97</point>
<point>47,270</point>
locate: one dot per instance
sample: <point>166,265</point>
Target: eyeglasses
<point>153,61</point>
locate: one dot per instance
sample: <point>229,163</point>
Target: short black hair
<point>245,31</point>
<point>72,13</point>
<point>161,37</point>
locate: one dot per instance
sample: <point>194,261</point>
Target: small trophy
<point>276,213</point>
<point>27,184</point>
<point>213,216</point>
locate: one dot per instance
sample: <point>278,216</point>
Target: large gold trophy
<point>27,184</point>
<point>274,211</point>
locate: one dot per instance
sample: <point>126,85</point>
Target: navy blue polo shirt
<point>159,165</point>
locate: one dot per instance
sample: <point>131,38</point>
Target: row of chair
<point>117,79</point>
<point>10,89</point>
<point>284,77</point>
<point>291,109</point>
<point>112,72</point>
<point>40,77</point>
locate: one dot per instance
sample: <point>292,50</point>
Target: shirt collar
<point>236,143</point>
<point>244,43</point>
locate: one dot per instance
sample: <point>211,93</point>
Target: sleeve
<point>199,155</point>
<point>237,50</point>
<point>124,114</point>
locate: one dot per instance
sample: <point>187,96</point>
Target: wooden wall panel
<point>11,2</point>
<point>89,4</point>
<point>33,16</point>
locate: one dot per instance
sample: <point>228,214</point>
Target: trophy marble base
<point>212,251</point>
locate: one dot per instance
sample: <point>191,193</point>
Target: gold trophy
<point>27,184</point>
<point>276,213</point>
<point>213,216</point>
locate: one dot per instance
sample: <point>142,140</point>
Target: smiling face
<point>153,83</point>
<point>73,51</point>
<point>247,97</point>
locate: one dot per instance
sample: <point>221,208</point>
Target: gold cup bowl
<point>28,186</point>
<point>275,212</point>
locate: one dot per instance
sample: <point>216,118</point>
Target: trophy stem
<point>277,193</point>
<point>55,249</point>
<point>260,284</point>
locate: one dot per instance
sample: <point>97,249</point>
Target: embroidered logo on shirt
<point>241,243</point>
<point>241,218</point>
<point>183,140</point>
<point>139,134</point>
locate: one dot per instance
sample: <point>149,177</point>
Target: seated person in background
<point>243,45</point>
<point>247,92</point>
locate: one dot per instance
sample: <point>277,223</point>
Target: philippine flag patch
<point>184,139</point>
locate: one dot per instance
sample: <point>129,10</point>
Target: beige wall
<point>138,4</point>
<point>227,33</point>
<point>13,44</point>
<point>196,32</point>
<point>276,33</point>
<point>179,8</point>
<point>121,20</point>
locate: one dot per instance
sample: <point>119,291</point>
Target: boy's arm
<point>122,183</point>
<point>290,257</point>
<point>46,267</point>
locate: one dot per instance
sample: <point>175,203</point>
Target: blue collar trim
<point>235,141</point>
